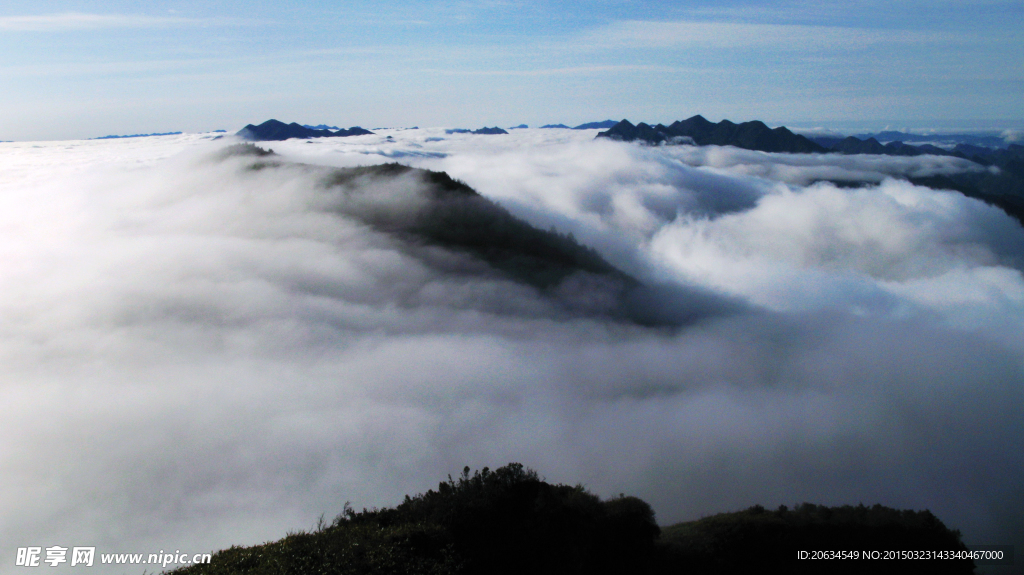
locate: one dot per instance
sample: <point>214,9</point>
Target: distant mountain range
<point>136,136</point>
<point>274,130</point>
<point>755,135</point>
<point>596,125</point>
<point>986,140</point>
<point>588,126</point>
<point>489,131</point>
<point>1003,187</point>
<point>870,144</point>
<point>699,131</point>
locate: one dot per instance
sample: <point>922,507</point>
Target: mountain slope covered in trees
<point>1002,185</point>
<point>511,522</point>
<point>422,207</point>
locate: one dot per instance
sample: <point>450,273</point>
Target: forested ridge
<point>510,521</point>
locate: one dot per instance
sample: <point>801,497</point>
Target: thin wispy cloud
<point>567,71</point>
<point>68,21</point>
<point>726,35</point>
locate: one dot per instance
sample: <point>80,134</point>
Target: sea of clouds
<point>197,354</point>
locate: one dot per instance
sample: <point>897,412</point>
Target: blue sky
<point>84,69</point>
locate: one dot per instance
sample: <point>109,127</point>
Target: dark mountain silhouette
<point>511,522</point>
<point>596,125</point>
<point>985,140</point>
<point>519,127</point>
<point>555,126</point>
<point>274,130</point>
<point>827,142</point>
<point>487,131</point>
<point>490,131</point>
<point>983,149</point>
<point>457,217</point>
<point>1008,158</point>
<point>627,132</point>
<point>1003,188</point>
<point>321,127</point>
<point>137,136</point>
<point>851,145</point>
<point>697,130</point>
<point>449,214</point>
<point>854,145</point>
<point>930,149</point>
<point>970,150</point>
<point>750,540</point>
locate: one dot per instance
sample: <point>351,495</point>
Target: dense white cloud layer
<point>198,355</point>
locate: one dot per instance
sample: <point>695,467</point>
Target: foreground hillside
<point>509,521</point>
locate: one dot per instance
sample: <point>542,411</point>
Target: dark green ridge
<point>509,521</point>
<point>699,131</point>
<point>274,130</point>
<point>457,218</point>
<point>1002,187</point>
